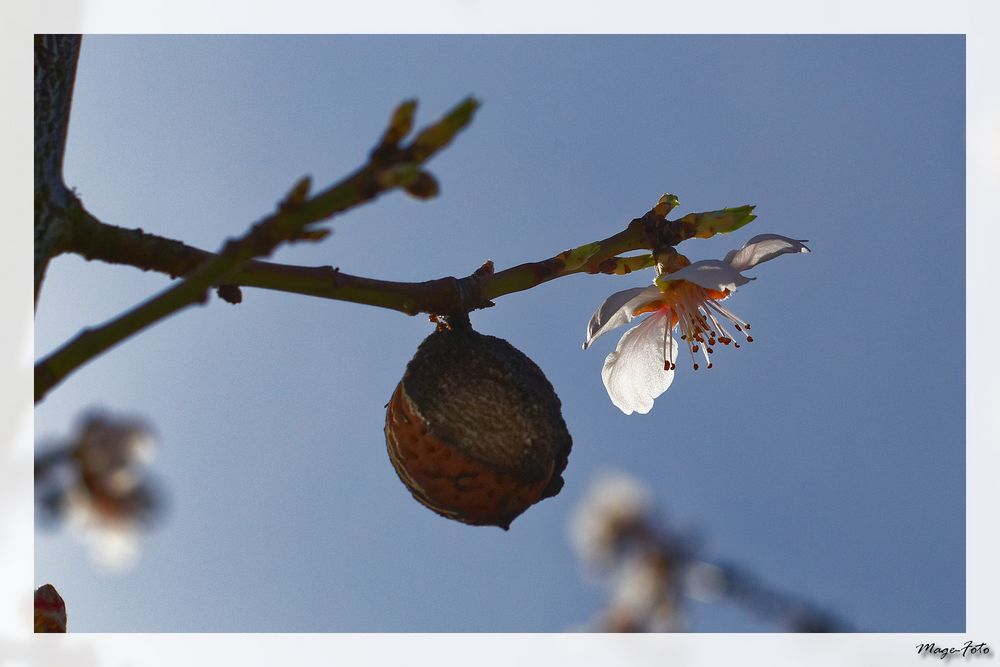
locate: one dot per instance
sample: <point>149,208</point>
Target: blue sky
<point>828,456</point>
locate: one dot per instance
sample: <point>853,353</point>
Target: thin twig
<point>389,166</point>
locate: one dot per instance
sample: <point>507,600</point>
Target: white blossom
<point>688,300</point>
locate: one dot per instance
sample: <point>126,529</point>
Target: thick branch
<point>55,71</point>
<point>94,239</point>
<point>389,166</point>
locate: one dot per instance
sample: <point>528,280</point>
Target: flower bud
<point>50,610</point>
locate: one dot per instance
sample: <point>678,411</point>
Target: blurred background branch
<point>654,572</point>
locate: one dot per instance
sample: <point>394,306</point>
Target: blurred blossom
<point>651,571</point>
<point>96,482</point>
<point>704,582</point>
<point>615,506</point>
<point>643,596</point>
<point>111,535</point>
<point>107,452</point>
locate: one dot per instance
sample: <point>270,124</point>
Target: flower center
<point>696,311</point>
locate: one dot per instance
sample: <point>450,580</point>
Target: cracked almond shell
<point>475,430</point>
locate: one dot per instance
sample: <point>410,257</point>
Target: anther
<point>696,366</point>
<point>749,339</point>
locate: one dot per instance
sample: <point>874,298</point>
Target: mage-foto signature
<point>966,650</point>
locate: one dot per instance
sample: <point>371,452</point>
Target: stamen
<point>729,315</point>
<point>718,325</point>
<point>666,329</point>
<point>670,333</point>
<point>732,317</point>
<point>687,325</point>
<point>698,316</point>
<point>704,351</point>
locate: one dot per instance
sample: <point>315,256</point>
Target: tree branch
<point>94,239</point>
<point>55,71</point>
<point>389,166</point>
<point>63,224</point>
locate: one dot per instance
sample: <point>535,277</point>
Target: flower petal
<point>633,374</point>
<point>762,248</point>
<point>617,310</point>
<point>711,274</point>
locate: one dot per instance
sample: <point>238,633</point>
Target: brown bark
<point>55,71</point>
